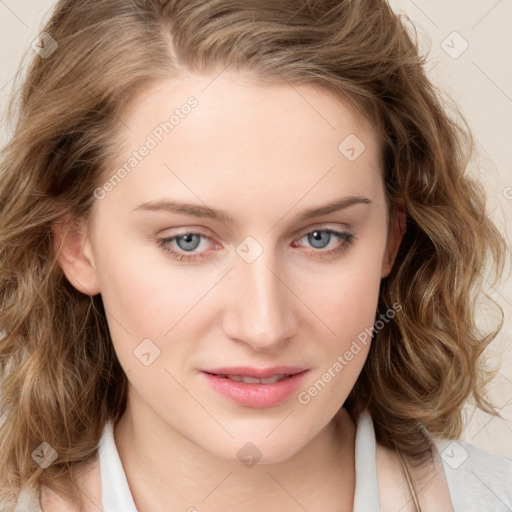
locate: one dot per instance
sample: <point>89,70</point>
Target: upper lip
<point>257,373</point>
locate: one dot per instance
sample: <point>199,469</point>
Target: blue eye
<point>189,239</point>
<point>320,238</point>
<point>187,243</point>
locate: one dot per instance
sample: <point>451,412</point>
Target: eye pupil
<point>319,236</point>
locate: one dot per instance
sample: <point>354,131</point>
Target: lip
<point>257,396</point>
<point>257,373</point>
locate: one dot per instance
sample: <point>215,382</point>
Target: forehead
<point>225,135</point>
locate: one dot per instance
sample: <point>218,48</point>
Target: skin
<point>264,155</point>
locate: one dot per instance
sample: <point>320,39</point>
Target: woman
<point>239,258</point>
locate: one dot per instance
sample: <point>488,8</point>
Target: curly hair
<point>60,377</point>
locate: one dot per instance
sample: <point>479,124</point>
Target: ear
<point>398,224</point>
<point>72,245</point>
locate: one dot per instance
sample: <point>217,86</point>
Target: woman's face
<point>260,286</point>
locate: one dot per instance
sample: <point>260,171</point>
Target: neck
<point>167,471</point>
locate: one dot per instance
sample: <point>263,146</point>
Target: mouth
<point>253,380</point>
<point>256,388</point>
<point>256,373</point>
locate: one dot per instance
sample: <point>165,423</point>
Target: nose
<point>260,310</point>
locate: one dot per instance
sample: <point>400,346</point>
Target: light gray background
<point>479,80</point>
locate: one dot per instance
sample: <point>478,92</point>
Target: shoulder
<point>476,477</point>
<point>428,479</point>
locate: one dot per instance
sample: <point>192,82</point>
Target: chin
<point>256,451</point>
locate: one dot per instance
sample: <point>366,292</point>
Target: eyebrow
<point>196,210</point>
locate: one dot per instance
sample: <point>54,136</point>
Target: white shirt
<point>478,481</point>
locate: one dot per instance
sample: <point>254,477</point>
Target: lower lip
<point>258,396</point>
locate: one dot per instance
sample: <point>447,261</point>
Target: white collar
<point>117,496</point>
<point>115,492</point>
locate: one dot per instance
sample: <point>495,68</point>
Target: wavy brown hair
<point>61,380</point>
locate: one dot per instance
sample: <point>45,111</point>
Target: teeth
<point>252,380</point>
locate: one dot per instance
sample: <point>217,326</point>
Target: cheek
<point>133,300</point>
<point>345,295</point>
<point>346,300</point>
<point>348,307</point>
<point>144,291</point>
<point>148,298</point>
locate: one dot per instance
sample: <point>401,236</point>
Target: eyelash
<point>347,240</point>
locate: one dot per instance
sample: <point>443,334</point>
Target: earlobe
<point>395,236</point>
<point>73,247</point>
